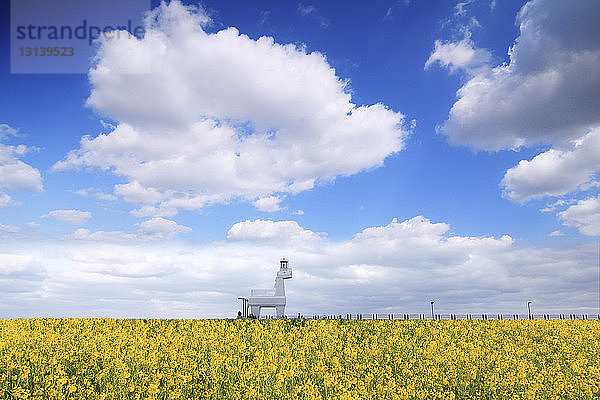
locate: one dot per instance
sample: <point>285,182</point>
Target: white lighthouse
<point>275,297</point>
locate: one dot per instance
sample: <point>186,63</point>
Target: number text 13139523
<point>46,51</point>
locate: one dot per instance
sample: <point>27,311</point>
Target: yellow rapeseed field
<point>299,359</point>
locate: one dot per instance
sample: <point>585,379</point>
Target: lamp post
<point>529,308</point>
<point>432,314</point>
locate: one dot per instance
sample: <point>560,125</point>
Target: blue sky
<point>396,153</point>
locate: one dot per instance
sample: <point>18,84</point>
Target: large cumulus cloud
<point>547,94</point>
<point>220,116</point>
<point>548,91</point>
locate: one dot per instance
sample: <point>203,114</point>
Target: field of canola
<point>288,359</point>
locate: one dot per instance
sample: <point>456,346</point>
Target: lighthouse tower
<point>273,298</point>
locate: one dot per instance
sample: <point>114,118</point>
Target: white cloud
<point>584,215</point>
<point>151,211</point>
<point>106,236</point>
<point>548,92</point>
<point>558,203</point>
<point>7,130</point>
<point>264,17</point>
<point>222,116</point>
<point>159,227</point>
<point>556,171</point>
<point>308,10</point>
<point>398,267</point>
<point>458,55</point>
<point>590,185</point>
<point>156,228</point>
<point>556,234</point>
<point>15,174</point>
<point>268,204</point>
<point>97,194</point>
<point>17,266</point>
<point>283,232</point>
<point>418,240</point>
<point>105,196</point>
<point>107,125</point>
<point>9,228</point>
<point>5,200</point>
<point>73,217</point>
<point>388,14</point>
<point>460,10</point>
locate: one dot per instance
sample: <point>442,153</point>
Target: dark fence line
<point>443,316</point>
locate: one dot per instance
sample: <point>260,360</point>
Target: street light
<point>432,315</point>
<point>529,308</point>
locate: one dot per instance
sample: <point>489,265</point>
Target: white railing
<point>262,292</point>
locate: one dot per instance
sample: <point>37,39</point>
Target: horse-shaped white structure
<point>275,297</point>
